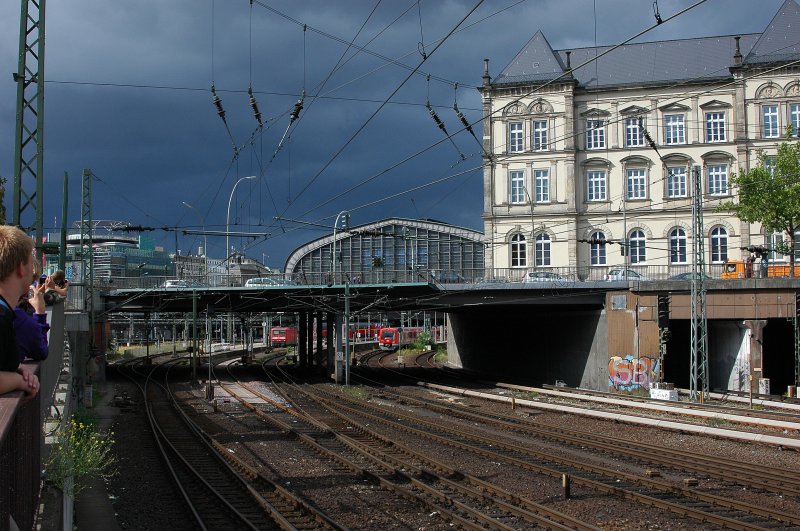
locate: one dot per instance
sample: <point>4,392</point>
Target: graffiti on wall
<point>630,373</point>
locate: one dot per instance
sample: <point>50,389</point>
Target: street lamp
<point>346,215</point>
<point>205,238</point>
<point>228,230</point>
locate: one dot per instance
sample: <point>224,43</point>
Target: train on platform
<point>283,336</point>
<point>395,338</point>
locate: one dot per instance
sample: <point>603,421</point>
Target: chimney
<point>486,79</point>
<point>737,57</point>
<point>569,64</point>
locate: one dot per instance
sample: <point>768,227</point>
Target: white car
<point>176,284</point>
<point>542,276</point>
<point>620,273</point>
<point>267,281</point>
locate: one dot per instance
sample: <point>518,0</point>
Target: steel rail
<point>601,478</point>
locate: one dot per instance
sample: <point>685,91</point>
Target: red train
<point>282,336</point>
<point>359,332</point>
<point>395,338</point>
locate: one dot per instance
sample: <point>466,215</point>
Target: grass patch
<point>357,392</point>
<point>716,422</point>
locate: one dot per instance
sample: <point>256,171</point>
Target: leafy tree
<point>769,193</point>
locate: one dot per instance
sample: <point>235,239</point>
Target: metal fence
<point>417,274</point>
<point>22,449</point>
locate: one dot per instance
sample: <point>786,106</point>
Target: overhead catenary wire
<point>535,89</point>
<point>380,108</point>
<point>441,126</point>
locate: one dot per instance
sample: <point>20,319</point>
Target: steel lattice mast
<point>87,251</point>
<point>698,379</point>
<point>29,134</point>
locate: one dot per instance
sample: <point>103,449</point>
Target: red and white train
<point>395,338</point>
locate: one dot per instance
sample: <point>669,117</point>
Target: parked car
<point>447,277</point>
<point>688,276</point>
<point>268,281</point>
<point>542,276</point>
<point>620,273</point>
<point>176,284</point>
<point>492,280</point>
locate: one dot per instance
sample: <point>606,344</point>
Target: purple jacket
<point>31,332</point>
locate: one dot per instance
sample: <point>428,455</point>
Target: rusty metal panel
<point>621,325</point>
<point>648,339</point>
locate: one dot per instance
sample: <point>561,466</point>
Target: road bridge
<point>591,334</point>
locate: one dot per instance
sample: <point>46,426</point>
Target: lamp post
<point>228,229</point>
<point>205,238</point>
<point>346,215</point>
<point>346,220</point>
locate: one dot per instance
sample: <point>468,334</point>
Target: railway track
<point>220,493</point>
<point>704,507</point>
<point>464,501</point>
<point>775,480</point>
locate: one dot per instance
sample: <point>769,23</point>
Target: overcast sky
<point>128,96</point>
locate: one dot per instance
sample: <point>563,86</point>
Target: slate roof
<point>698,59</point>
<point>779,42</point>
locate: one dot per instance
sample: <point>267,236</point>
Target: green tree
<point>769,193</point>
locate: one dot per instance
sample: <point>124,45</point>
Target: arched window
<point>719,245</point>
<point>637,242</point>
<point>519,255</point>
<point>543,250</point>
<point>677,246</point>
<point>597,251</point>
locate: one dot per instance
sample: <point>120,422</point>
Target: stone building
<point>609,149</point>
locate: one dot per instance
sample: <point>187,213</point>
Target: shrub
<point>78,454</point>
<point>423,340</point>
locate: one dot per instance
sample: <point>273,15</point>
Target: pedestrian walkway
<point>93,508</point>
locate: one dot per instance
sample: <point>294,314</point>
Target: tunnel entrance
<point>778,354</point>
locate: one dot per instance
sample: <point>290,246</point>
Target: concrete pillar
<point>331,343</point>
<point>310,344</point>
<point>302,338</point>
<point>320,354</point>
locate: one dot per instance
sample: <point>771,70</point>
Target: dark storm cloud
<point>154,148</point>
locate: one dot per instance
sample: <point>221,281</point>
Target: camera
<point>42,279</point>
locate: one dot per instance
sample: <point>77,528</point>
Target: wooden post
<point>565,483</point>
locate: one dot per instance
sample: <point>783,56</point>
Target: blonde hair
<point>16,248</point>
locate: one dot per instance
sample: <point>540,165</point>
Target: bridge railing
<point>417,274</point>
<point>22,443</point>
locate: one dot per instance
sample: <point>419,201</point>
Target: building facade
<point>589,157</point>
<point>390,250</point>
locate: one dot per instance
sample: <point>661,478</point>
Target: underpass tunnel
<point>729,355</point>
<point>531,345</point>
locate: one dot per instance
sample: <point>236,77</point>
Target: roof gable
<point>536,61</point>
<point>779,40</point>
